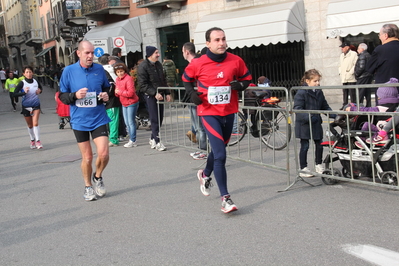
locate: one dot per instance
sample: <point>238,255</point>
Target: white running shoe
<point>305,174</point>
<point>98,186</point>
<point>205,183</point>
<point>192,154</point>
<point>160,147</point>
<point>39,145</point>
<point>152,143</point>
<point>228,205</point>
<point>89,194</point>
<point>200,156</point>
<point>32,144</point>
<point>319,168</point>
<point>130,144</point>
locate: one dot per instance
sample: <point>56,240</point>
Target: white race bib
<point>219,95</point>
<point>89,101</point>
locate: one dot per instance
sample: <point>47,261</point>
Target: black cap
<point>345,44</point>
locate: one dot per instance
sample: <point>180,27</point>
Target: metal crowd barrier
<point>375,165</point>
<point>340,166</point>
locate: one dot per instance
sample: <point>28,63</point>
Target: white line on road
<point>373,254</point>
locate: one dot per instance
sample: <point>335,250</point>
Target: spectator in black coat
<point>150,76</point>
<point>361,75</point>
<point>384,61</point>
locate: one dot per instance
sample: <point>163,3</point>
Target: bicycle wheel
<point>278,132</point>
<point>240,131</point>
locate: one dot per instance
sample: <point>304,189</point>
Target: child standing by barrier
<point>310,100</point>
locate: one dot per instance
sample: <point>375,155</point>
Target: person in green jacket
<point>10,85</point>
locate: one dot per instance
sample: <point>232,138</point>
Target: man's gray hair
<point>363,46</point>
<point>391,30</point>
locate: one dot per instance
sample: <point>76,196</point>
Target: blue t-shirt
<point>75,77</point>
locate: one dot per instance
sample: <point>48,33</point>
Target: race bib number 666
<point>219,94</point>
<point>89,101</point>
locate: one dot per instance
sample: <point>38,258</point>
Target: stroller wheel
<point>330,181</point>
<point>389,177</point>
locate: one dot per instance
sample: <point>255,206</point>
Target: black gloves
<point>195,98</point>
<point>236,85</point>
<point>192,93</point>
<point>239,85</point>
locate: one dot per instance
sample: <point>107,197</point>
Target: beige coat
<point>346,67</point>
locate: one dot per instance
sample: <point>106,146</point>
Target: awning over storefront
<point>44,51</point>
<point>353,17</point>
<point>264,24</point>
<point>129,28</point>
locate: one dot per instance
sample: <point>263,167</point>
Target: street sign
<point>100,47</point>
<point>98,52</point>
<point>120,43</point>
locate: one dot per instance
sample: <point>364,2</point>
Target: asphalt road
<point>155,214</point>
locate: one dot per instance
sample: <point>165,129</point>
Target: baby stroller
<point>375,161</point>
<point>63,112</point>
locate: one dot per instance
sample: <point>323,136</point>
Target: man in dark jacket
<point>361,75</point>
<point>150,76</point>
<point>384,61</point>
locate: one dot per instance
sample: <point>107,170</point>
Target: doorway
<point>172,39</point>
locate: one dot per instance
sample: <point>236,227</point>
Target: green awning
<point>44,51</point>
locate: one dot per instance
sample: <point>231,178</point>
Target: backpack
<point>170,72</point>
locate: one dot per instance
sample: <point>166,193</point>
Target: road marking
<point>373,254</point>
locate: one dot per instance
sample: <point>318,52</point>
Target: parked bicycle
<point>270,125</point>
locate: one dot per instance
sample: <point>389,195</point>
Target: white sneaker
<point>205,183</point>
<point>304,174</point>
<point>130,144</point>
<point>152,143</point>
<point>228,205</point>
<point>319,168</point>
<point>192,154</point>
<point>160,147</point>
<point>89,194</point>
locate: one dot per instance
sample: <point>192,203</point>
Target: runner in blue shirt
<point>83,87</point>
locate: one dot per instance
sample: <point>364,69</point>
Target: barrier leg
<point>297,179</point>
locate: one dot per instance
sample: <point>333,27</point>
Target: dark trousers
<point>14,100</point>
<point>347,92</point>
<point>153,111</point>
<point>218,129</point>
<point>303,152</point>
<point>122,126</point>
<point>365,92</point>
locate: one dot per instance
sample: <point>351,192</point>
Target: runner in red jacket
<point>220,77</point>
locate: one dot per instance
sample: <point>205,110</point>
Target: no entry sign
<point>120,43</point>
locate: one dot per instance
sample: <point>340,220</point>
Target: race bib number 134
<point>219,94</point>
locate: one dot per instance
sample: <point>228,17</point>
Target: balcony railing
<point>15,40</point>
<point>34,37</point>
<point>157,5</point>
<point>101,7</point>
